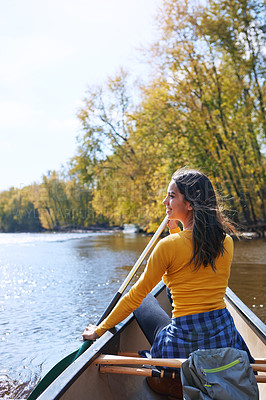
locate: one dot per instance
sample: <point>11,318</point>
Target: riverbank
<point>84,229</point>
<point>107,229</point>
<point>248,231</point>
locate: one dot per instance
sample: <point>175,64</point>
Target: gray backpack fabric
<point>220,374</point>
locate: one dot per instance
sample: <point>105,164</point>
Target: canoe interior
<point>90,384</point>
<point>251,328</point>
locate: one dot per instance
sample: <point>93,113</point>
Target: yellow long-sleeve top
<point>192,291</point>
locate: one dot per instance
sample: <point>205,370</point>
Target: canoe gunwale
<point>249,317</point>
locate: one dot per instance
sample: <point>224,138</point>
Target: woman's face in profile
<point>177,208</point>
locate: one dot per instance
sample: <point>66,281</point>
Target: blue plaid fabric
<point>208,330</point>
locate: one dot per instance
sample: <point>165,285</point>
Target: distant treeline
<point>55,204</point>
<point>203,106</point>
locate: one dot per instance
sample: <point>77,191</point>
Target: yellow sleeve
<point>156,267</point>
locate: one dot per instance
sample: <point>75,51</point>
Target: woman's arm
<point>155,269</point>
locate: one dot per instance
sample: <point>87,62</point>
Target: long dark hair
<point>209,224</point>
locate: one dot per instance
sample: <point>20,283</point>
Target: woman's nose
<point>165,201</point>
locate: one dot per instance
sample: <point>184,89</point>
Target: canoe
<point>82,379</point>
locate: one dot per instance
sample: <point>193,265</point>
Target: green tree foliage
<point>55,204</point>
<point>106,159</point>
<point>64,203</point>
<point>217,52</point>
<point>204,108</point>
<point>17,212</point>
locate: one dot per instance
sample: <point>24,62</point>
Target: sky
<point>51,51</point>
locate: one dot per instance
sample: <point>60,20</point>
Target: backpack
<point>220,374</point>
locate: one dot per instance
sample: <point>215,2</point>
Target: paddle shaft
<point>107,369</point>
<point>138,263</point>
<point>110,369</point>
<point>106,359</point>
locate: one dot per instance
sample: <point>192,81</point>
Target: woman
<point>195,266</point>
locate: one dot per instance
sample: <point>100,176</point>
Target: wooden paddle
<point>65,362</point>
<point>112,369</point>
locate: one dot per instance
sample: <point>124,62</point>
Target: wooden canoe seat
<point>123,364</point>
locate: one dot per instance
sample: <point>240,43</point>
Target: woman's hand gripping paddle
<point>68,360</point>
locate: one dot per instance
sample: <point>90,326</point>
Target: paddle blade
<point>83,348</point>
<point>57,370</point>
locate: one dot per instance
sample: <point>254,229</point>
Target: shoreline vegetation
<point>95,229</point>
<point>105,228</point>
<point>247,234</point>
<point>203,106</point>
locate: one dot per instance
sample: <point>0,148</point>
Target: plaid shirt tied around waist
<point>208,330</point>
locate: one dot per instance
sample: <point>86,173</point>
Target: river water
<point>53,285</point>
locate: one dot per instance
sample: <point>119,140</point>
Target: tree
<point>17,211</point>
<point>214,84</point>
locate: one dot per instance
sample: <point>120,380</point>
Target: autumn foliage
<point>203,107</point>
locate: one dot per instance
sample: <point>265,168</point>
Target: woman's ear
<point>189,206</point>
